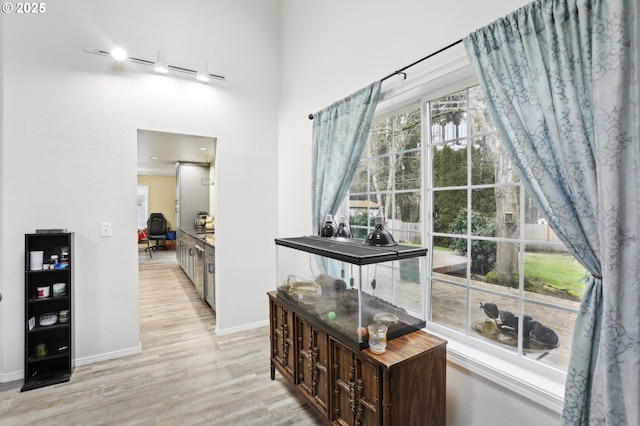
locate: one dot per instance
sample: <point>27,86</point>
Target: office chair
<point>156,230</point>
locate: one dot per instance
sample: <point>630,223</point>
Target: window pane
<point>549,339</point>
<point>408,170</point>
<point>380,174</point>
<point>503,268</point>
<point>483,201</point>
<point>449,209</point>
<point>407,130</point>
<point>448,305</point>
<point>494,319</point>
<point>381,137</point>
<point>449,165</point>
<point>482,161</point>
<point>361,178</point>
<point>449,117</point>
<point>450,258</point>
<point>408,207</point>
<point>406,225</point>
<point>553,272</point>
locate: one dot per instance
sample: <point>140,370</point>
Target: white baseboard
<point>109,355</point>
<point>19,375</point>
<point>241,328</point>
<point>10,377</point>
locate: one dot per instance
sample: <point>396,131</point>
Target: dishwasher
<point>198,269</point>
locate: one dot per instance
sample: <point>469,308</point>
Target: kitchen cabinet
<point>181,248</point>
<point>190,252</point>
<point>48,295</point>
<point>185,252</point>
<point>405,385</point>
<point>197,275</point>
<point>210,276</point>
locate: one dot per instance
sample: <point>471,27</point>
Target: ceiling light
<point>202,148</point>
<point>161,64</point>
<point>118,53</point>
<point>203,74</point>
<point>154,158</point>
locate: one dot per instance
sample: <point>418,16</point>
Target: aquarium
<point>344,285</point>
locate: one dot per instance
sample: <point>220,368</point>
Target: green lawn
<point>559,271</point>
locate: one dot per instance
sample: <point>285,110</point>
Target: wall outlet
<point>105,229</point>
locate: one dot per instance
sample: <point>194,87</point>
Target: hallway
<point>185,375</point>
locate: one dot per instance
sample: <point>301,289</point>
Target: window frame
<point>535,381</point>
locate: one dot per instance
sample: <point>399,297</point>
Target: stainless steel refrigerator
<point>193,186</point>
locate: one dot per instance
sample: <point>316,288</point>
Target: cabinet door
<point>191,260</point>
<point>282,348</point>
<point>368,392</point>
<point>343,379</point>
<point>209,277</point>
<point>356,387</point>
<point>313,360</point>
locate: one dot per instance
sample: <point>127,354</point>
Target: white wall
<point>69,151</point>
<point>331,49</point>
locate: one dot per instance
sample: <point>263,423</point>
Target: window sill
<point>545,391</point>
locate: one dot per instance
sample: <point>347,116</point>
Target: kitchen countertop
<point>208,237</point>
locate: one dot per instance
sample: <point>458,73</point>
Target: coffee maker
<point>201,220</point>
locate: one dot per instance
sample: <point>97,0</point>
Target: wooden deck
<point>450,304</point>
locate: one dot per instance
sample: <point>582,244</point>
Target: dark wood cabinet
<point>282,344</point>
<point>357,394</point>
<point>313,364</point>
<point>48,341</point>
<point>405,385</point>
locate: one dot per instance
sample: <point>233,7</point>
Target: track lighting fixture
<point>118,53</point>
<point>203,74</point>
<point>159,64</point>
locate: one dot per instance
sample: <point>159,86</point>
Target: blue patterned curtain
<point>340,134</point>
<point>560,79</point>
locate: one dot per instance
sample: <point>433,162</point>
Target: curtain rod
<point>400,71</point>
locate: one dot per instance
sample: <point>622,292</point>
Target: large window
<point>499,277</point>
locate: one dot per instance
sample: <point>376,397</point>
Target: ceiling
<point>170,148</point>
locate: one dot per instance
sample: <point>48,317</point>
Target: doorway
<point>158,154</point>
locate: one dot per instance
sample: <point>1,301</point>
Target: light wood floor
<point>185,375</point>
